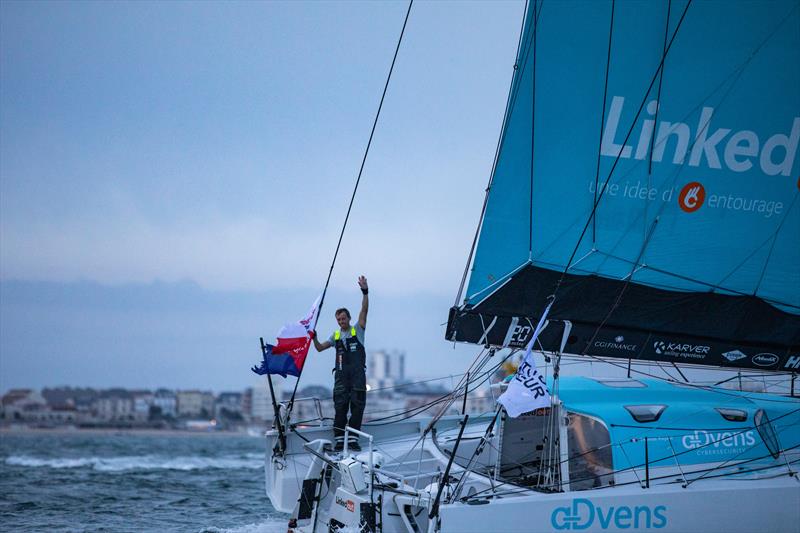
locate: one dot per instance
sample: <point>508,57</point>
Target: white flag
<point>528,390</point>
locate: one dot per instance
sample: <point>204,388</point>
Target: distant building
<point>386,370</point>
<point>23,405</point>
<point>479,401</point>
<point>229,405</point>
<point>247,402</point>
<point>142,401</point>
<point>261,402</point>
<point>166,403</point>
<point>313,402</point>
<point>195,403</point>
<point>68,398</point>
<point>421,395</point>
<point>115,405</point>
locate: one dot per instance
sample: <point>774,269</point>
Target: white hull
<point>770,502</point>
<point>747,506</point>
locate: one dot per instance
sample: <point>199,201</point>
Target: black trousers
<point>349,394</point>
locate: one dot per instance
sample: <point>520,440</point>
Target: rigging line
<point>613,472</point>
<point>415,411</point>
<point>420,439</point>
<point>425,380</point>
<point>694,280</point>
<point>603,118</point>
<point>655,117</point>
<point>734,78</point>
<point>731,81</point>
<point>714,442</point>
<point>772,237</point>
<point>619,154</point>
<point>430,404</point>
<point>782,451</point>
<point>510,100</point>
<point>736,73</point>
<point>692,385</point>
<point>658,95</point>
<point>634,438</point>
<point>355,189</point>
<point>772,247</point>
<point>521,489</point>
<point>698,471</point>
<point>533,131</point>
<point>623,288</point>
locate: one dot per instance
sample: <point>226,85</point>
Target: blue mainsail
<point>680,121</point>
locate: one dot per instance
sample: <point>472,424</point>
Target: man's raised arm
<point>362,316</point>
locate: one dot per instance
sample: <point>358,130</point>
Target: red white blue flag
<point>288,356</point>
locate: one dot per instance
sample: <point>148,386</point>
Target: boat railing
<point>319,418</point>
<point>347,431</point>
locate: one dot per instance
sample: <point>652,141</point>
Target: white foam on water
<point>271,525</point>
<point>138,462</point>
<point>257,456</point>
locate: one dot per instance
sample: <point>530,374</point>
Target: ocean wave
<point>256,456</point>
<point>138,462</point>
<point>271,525</point>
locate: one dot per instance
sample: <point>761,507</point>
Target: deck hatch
<point>732,415</point>
<point>646,413</point>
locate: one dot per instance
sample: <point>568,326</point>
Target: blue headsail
<point>648,177</point>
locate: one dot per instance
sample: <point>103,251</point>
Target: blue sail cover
<point>693,252</point>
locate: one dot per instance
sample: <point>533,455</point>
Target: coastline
<point>12,430</point>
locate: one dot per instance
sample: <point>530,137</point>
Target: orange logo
<point>692,197</point>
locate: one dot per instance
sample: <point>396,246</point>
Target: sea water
<point>94,481</point>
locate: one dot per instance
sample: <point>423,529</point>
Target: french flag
<point>288,356</point>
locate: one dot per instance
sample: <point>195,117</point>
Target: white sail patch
<point>709,145</point>
<point>527,390</point>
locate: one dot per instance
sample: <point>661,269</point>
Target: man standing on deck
<point>350,378</point>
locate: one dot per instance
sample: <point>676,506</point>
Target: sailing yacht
<point>643,210</point>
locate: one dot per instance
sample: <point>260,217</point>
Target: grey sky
<point>173,177</point>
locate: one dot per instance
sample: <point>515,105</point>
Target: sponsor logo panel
<point>618,343</point>
<point>681,350</point>
<point>612,343</point>
<point>734,355</point>
<point>585,514</point>
<point>347,504</point>
<point>765,359</point>
<point>699,351</point>
<point>519,335</point>
<point>719,442</point>
<point>692,197</point>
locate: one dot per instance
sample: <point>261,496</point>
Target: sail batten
<point>700,129</point>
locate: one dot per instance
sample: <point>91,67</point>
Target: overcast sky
<point>174,176</point>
